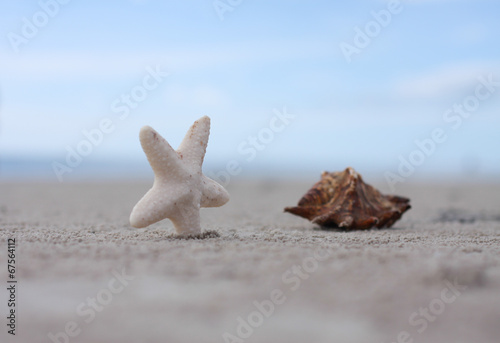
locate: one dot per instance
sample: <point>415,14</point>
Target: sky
<point>399,90</point>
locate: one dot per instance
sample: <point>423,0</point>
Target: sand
<point>84,275</point>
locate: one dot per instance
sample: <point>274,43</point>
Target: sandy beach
<point>85,275</point>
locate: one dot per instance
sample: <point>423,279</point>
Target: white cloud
<point>96,64</point>
<point>444,81</point>
<point>203,96</point>
<point>471,34</point>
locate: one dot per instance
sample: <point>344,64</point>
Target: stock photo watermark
<point>250,147</point>
<point>11,286</point>
<point>454,116</point>
<point>122,106</point>
<point>421,319</point>
<point>363,36</point>
<point>87,310</point>
<point>32,25</point>
<point>223,6</point>
<point>292,280</point>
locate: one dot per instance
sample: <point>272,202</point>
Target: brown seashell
<point>343,200</point>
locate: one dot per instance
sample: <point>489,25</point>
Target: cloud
<point>471,34</point>
<point>116,64</point>
<point>445,81</point>
<point>202,96</point>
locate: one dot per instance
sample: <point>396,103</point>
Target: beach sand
<point>85,275</point>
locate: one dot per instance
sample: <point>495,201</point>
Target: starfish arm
<point>153,207</point>
<point>212,194</point>
<point>163,159</point>
<point>187,220</point>
<point>194,145</point>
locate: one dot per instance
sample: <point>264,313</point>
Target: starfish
<point>180,189</point>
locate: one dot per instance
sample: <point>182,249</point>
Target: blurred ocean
<point>41,169</point>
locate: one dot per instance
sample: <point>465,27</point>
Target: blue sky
<point>262,57</point>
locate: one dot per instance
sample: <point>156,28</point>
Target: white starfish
<point>179,188</point>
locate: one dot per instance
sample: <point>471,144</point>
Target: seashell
<point>343,200</point>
